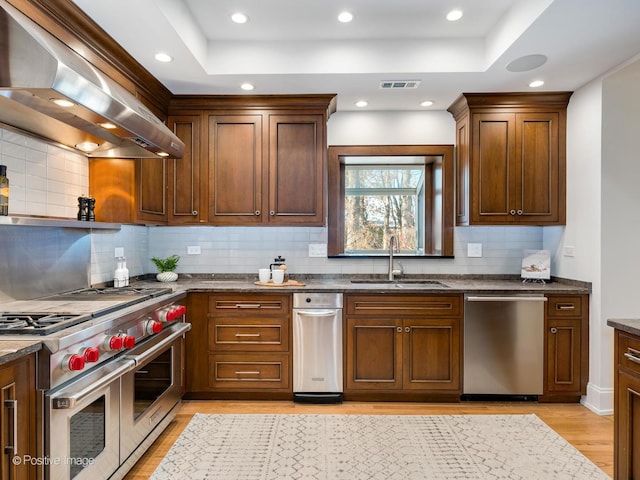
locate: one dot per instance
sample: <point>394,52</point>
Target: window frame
<point>336,192</point>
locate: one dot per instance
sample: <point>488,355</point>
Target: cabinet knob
<point>194,213</point>
<point>257,212</point>
<point>512,212</point>
<point>519,212</point>
<point>399,329</point>
<point>553,330</point>
<point>407,329</point>
<point>272,212</point>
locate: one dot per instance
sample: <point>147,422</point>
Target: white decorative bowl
<point>167,277</point>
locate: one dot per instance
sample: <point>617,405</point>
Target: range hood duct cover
<point>35,67</point>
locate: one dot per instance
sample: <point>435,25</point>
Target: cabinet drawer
<point>564,306</point>
<point>248,334</point>
<point>405,305</point>
<point>629,352</point>
<point>224,304</point>
<point>259,371</point>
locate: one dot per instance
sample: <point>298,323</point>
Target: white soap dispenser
<point>118,275</point>
<point>125,272</point>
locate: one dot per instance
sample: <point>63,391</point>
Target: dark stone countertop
<point>628,325</point>
<point>451,284</point>
<point>14,349</point>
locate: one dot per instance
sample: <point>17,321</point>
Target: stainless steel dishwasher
<point>317,347</point>
<point>503,345</point>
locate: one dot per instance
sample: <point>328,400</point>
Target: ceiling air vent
<point>399,84</point>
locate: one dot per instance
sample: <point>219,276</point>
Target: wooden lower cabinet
<point>403,347</point>
<point>567,347</point>
<point>240,346</point>
<point>17,418</point>
<point>627,407</point>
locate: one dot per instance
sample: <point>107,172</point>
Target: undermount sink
<point>399,283</point>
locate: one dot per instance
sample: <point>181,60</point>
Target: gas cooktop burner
<point>100,292</point>
<point>38,323</point>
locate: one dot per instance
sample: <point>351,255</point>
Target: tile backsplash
<point>43,179</point>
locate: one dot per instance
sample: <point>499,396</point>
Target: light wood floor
<point>590,433</point>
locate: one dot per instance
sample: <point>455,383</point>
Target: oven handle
<point>68,399</point>
<point>161,343</point>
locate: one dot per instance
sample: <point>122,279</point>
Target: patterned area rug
<point>372,447</point>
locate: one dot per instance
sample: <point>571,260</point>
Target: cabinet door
<point>296,170</point>
<point>493,168</point>
<point>17,409</point>
<point>151,190</point>
<point>563,356</point>
<point>462,170</point>
<point>374,354</point>
<point>235,169</point>
<point>627,439</point>
<point>185,175</point>
<point>537,177</point>
<point>431,352</point>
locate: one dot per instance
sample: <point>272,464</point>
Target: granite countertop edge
<point>342,284</point>
<point>628,325</point>
<point>15,349</point>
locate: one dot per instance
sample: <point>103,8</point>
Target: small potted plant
<point>166,267</point>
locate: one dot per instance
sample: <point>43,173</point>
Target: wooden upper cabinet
<point>266,169</point>
<point>186,202</point>
<point>511,164</point>
<point>235,169</point>
<point>296,170</point>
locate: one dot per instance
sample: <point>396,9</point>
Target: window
<point>377,191</point>
<point>381,200</point>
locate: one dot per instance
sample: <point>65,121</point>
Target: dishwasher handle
<point>505,298</point>
<point>316,312</point>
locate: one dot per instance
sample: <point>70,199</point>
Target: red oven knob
<point>162,315</point>
<point>181,310</point>
<point>113,343</point>
<point>73,362</point>
<point>153,327</point>
<point>129,341</point>
<point>91,355</point>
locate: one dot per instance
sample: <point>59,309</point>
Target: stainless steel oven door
<point>153,388</point>
<point>82,425</point>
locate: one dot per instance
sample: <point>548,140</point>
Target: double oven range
<point>109,376</point>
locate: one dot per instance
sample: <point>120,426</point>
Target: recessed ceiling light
<point>62,102</point>
<point>536,83</point>
<point>247,86</point>
<point>163,57</point>
<point>426,103</point>
<point>454,15</point>
<point>239,17</point>
<point>345,17</point>
<point>361,103</point>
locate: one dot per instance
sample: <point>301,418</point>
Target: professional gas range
<point>111,358</point>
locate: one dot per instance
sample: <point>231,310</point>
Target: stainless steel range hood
<point>36,69</point>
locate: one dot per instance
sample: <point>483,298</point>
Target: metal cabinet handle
<point>407,329</point>
<point>632,357</point>
<point>247,305</point>
<point>512,212</point>
<point>257,212</point>
<point>565,306</point>
<point>399,329</point>
<point>519,212</point>
<point>248,372</point>
<point>553,330</point>
<point>247,334</point>
<point>194,213</point>
<point>12,449</point>
<point>272,212</point>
